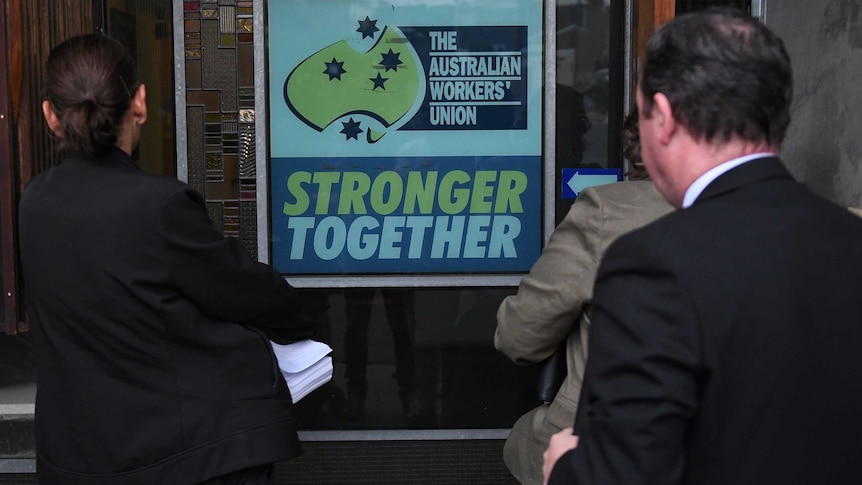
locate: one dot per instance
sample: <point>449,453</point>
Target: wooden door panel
<point>28,31</point>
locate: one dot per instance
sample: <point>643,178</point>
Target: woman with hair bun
<point>151,329</point>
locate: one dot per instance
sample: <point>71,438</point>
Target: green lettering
<point>452,200</point>
<point>419,192</point>
<point>354,186</point>
<point>378,192</point>
<point>324,180</point>
<point>294,186</point>
<point>512,184</point>
<point>479,203</point>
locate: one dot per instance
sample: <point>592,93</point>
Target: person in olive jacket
<point>151,328</point>
<point>553,301</point>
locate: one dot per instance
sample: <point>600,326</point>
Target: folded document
<point>305,365</point>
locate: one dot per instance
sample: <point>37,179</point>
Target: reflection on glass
<point>414,358</point>
<point>399,309</point>
<point>145,28</point>
<point>583,52</point>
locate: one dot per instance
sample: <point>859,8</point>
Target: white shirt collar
<point>696,188</point>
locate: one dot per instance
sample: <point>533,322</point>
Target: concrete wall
<point>823,147</point>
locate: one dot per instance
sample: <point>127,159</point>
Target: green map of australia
<point>339,83</point>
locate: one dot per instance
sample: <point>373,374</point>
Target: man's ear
<point>139,105</point>
<point>51,119</point>
<point>666,122</point>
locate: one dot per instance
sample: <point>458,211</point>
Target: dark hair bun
<point>86,86</point>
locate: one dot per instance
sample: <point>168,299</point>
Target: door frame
<point>9,56</point>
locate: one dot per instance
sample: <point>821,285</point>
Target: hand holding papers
<point>305,365</point>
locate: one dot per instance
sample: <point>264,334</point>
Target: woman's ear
<point>51,118</point>
<point>139,105</point>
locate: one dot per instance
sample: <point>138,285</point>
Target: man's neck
<point>696,188</point>
<point>737,149</point>
<point>700,157</point>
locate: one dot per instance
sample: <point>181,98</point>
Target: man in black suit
<point>726,336</point>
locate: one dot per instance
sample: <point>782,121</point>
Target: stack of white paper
<point>305,365</point>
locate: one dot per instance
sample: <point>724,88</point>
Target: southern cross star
<point>378,82</point>
<point>390,60</point>
<point>351,129</point>
<point>334,69</point>
<point>367,27</point>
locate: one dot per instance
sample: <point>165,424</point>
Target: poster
<point>405,137</point>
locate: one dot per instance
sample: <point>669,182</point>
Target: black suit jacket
<point>725,346</point>
<point>150,332</point>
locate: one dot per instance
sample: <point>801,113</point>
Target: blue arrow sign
<point>574,180</point>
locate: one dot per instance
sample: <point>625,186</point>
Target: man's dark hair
<point>725,74</point>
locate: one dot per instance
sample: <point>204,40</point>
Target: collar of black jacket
<point>750,172</point>
<point>115,157</point>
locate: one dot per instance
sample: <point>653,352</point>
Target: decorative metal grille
<point>220,113</point>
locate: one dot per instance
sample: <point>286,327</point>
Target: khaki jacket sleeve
<point>559,287</point>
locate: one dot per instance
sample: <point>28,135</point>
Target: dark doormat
<point>444,462</point>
